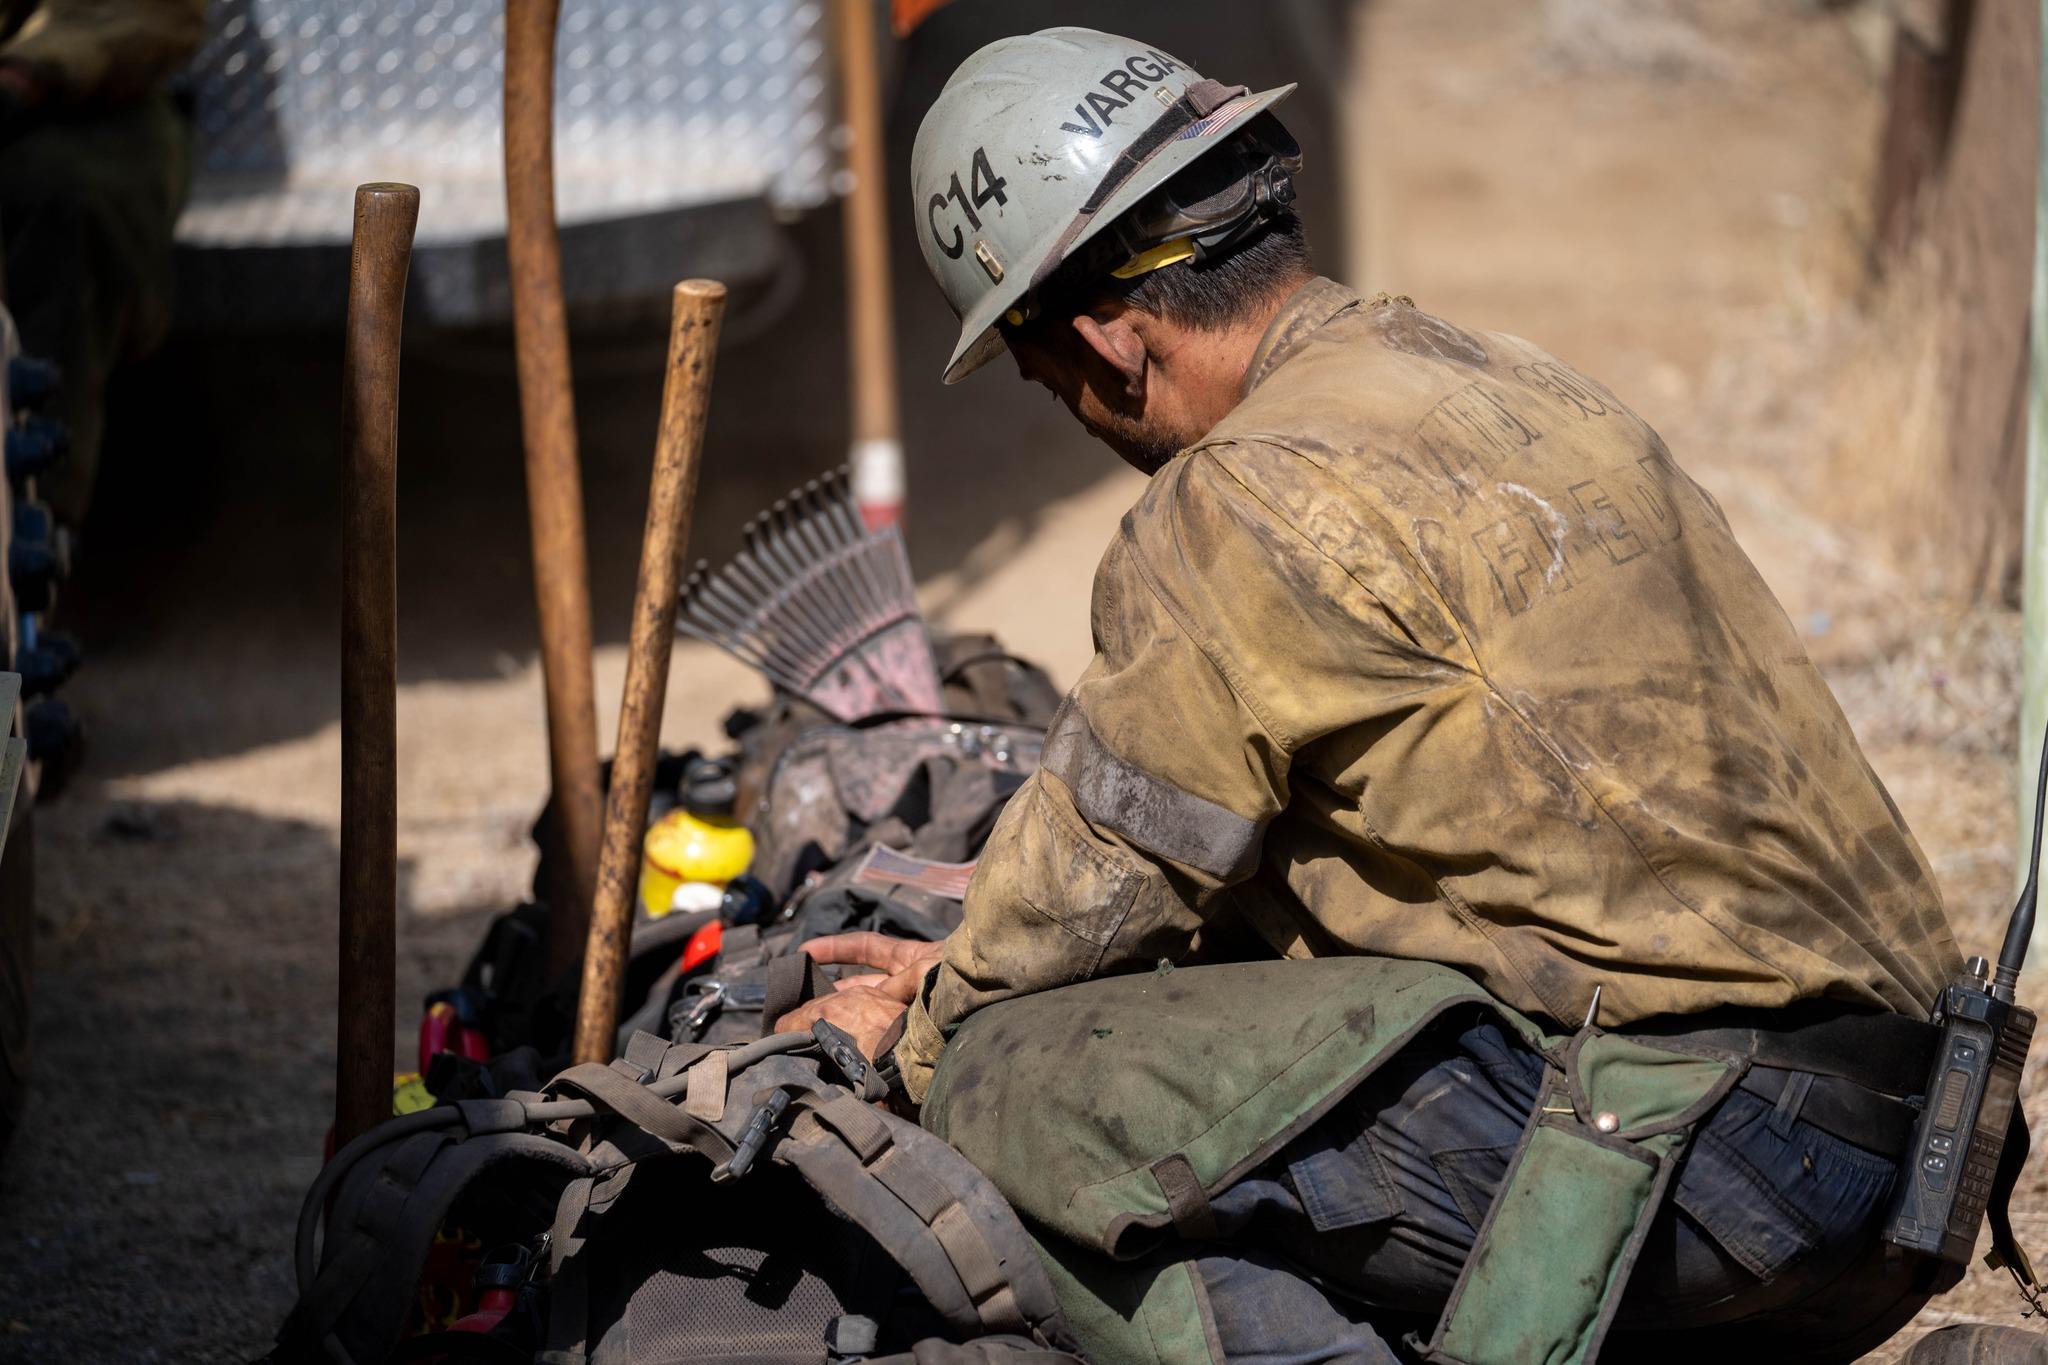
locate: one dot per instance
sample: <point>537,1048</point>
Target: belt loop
<point>1790,1101</point>
<point>1186,1203</point>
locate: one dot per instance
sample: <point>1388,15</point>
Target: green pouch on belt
<point>1110,1112</point>
<point>1547,1272</point>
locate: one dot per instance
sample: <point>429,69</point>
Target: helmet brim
<point>979,340</point>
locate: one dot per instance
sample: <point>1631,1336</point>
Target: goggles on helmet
<point>1201,214</point>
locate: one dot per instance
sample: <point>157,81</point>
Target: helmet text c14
<point>984,187</point>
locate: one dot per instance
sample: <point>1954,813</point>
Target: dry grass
<point>1810,409</point>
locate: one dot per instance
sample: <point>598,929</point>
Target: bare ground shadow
<point>183,1077</point>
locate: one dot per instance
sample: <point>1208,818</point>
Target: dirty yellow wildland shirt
<point>1430,650</point>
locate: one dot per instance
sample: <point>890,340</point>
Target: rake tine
<point>749,630</point>
<point>808,595</point>
<point>774,675</point>
<point>784,599</point>
<point>800,534</point>
<point>762,600</point>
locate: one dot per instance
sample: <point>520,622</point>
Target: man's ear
<point>1119,346</point>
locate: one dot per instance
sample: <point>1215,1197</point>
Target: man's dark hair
<point>1217,294</point>
<point>1207,296</point>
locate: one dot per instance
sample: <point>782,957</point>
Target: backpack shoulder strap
<point>384,1219</point>
<point>934,1213</point>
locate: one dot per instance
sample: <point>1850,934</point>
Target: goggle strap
<point>1158,258</point>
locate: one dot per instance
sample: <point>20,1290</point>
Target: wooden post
<point>1920,110</point>
<point>699,307</point>
<point>554,485</point>
<point>877,453</point>
<point>385,218</point>
<point>2034,542</point>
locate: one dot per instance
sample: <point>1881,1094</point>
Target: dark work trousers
<point>1353,1236</point>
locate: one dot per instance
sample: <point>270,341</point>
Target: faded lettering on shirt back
<point>1546,546</point>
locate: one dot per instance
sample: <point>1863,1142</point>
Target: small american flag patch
<point>1211,124</point>
<point>885,867</point>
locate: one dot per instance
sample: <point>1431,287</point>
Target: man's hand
<point>865,1006</point>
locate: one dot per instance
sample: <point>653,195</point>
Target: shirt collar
<point>1305,311</point>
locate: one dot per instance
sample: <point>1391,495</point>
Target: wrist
<point>890,1072</point>
<point>917,1051</point>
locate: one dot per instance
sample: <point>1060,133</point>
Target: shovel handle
<point>699,307</point>
<point>554,479</point>
<point>385,217</point>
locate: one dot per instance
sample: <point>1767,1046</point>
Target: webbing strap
<point>341,1279</point>
<point>644,1051</point>
<point>635,1104</point>
<point>376,1222</point>
<point>831,1169</point>
<point>968,1250</point>
<point>705,1098</point>
<point>864,1135</point>
<point>1888,1053</point>
<point>793,979</point>
<point>680,1056</point>
<point>915,1186</point>
<point>1002,1307</point>
<point>2011,1161</point>
<point>569,1211</point>
<point>483,1117</point>
<point>857,1122</point>
<point>568,1289</point>
<point>1186,1203</point>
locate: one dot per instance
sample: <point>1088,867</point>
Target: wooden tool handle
<point>381,255</point>
<point>554,480</point>
<point>671,501</point>
<point>877,449</point>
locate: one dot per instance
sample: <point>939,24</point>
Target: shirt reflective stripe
<point>1149,811</point>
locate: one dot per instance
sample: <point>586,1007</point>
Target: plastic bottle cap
<point>696,897</point>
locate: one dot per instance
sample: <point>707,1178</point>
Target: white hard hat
<point>1040,142</point>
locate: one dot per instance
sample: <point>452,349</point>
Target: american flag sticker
<point>1215,123</point>
<point>885,868</point>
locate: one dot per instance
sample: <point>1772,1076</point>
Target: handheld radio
<point>1945,1178</point>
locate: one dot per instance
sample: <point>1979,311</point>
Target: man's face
<point>1099,396</point>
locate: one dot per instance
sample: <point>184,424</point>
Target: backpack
<point>683,1204</point>
<point>819,794</point>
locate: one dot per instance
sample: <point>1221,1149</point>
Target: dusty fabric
<point>1431,650</point>
<point>928,787</point>
<point>102,49</point>
<point>1068,1101</point>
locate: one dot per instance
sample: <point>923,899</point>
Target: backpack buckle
<point>845,1055</point>
<point>760,1127</point>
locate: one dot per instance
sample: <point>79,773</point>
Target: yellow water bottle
<point>694,850</point>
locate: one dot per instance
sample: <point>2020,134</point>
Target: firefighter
<point>94,162</point>
<point>1419,646</point>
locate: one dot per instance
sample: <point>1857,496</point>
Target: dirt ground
<point>1667,194</point>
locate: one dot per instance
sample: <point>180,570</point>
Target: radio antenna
<point>2020,932</point>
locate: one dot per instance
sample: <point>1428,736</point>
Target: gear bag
<point>820,798</point>
<point>1115,1158</point>
<point>683,1204</point>
<point>819,795</point>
